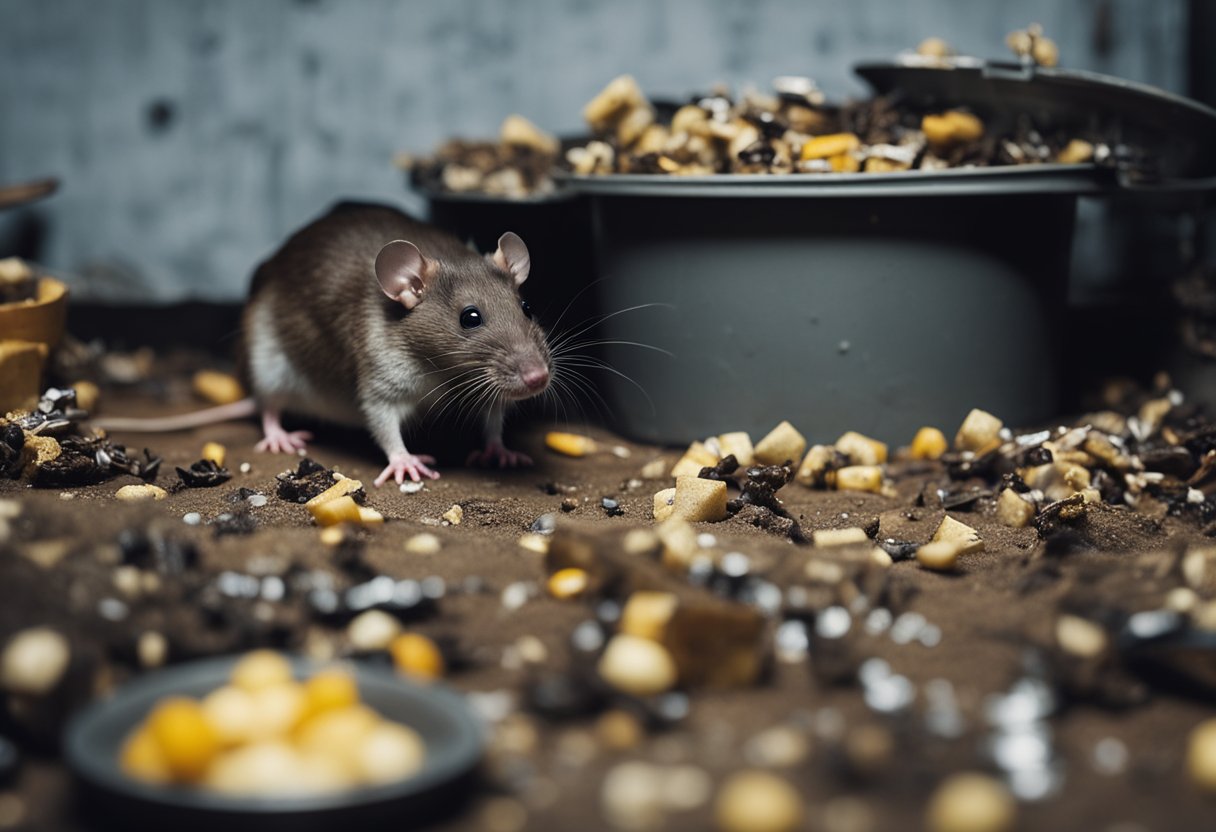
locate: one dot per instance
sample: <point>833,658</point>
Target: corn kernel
<point>967,127</point>
<point>1099,446</point>
<point>567,583</point>
<point>844,163</point>
<point>261,669</point>
<point>417,656</point>
<point>689,119</point>
<point>824,571</point>
<point>647,613</point>
<point>333,535</point>
<point>637,666</point>
<point>640,542</point>
<point>370,517</point>
<point>929,443</point>
<point>232,714</point>
<point>217,388</point>
<point>633,124</point>
<point>570,444</point>
<point>939,555</point>
<point>518,131</point>
<point>341,488</point>
<point>215,452</point>
<point>828,538</point>
<point>372,630</point>
<point>1201,755</point>
<point>142,759</point>
<point>184,736</point>
<point>329,690</point>
<point>619,96</point>
<point>264,769</point>
<point>938,130</point>
<point>653,140</point>
<point>619,730</point>
<point>856,478</point>
<point>862,450</point>
<point>679,543</point>
<point>950,128</point>
<point>1076,477</point>
<point>424,543</point>
<point>1076,152</point>
<point>654,469</point>
<point>833,144</point>
<point>336,732</point>
<point>1080,637</point>
<point>333,512</point>
<point>141,493</point>
<point>757,801</point>
<point>389,752</point>
<point>934,47</point>
<point>1019,42</point>
<point>970,802</point>
<point>15,270</point>
<point>534,542</point>
<point>877,164</point>
<point>1045,52</point>
<point>278,709</point>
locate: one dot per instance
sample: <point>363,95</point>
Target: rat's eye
<point>523,304</point>
<point>470,317</point>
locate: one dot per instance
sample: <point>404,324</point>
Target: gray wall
<point>192,136</point>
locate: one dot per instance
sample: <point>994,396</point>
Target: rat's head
<point>467,317</point>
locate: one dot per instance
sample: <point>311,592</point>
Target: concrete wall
<point>192,135</point>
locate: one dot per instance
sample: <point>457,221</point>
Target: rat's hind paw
<point>401,466</point>
<point>284,442</point>
<point>496,456</point>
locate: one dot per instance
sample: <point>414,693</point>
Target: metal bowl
<point>111,800</point>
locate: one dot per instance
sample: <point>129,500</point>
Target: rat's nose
<point>534,378</point>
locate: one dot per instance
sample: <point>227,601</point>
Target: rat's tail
<point>184,421</point>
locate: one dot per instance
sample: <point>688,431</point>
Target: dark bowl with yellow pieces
<point>111,798</point>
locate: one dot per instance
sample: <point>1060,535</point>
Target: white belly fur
<point>278,383</point>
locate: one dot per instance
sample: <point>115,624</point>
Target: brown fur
<point>323,292</point>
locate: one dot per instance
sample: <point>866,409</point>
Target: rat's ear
<point>512,257</point>
<point>403,272</point>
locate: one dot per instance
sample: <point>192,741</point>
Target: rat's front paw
<point>401,466</point>
<point>496,456</point>
<point>284,442</point>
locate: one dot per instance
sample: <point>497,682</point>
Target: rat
<point>368,317</point>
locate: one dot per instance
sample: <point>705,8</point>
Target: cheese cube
<point>782,444</point>
<point>699,500</point>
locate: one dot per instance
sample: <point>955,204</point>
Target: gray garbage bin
<point>875,302</point>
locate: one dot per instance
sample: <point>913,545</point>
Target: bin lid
<point>1160,140</point>
<point>1168,139</point>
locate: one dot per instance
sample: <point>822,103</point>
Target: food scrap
<point>266,733</point>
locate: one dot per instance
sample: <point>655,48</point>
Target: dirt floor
<point>1103,746</point>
